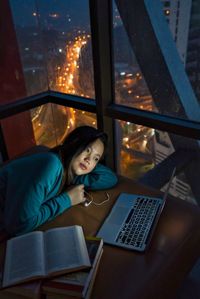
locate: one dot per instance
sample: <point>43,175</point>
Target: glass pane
<point>45,125</point>
<point>25,19</point>
<point>53,38</point>
<point>131,88</point>
<point>52,123</point>
<point>184,23</point>
<point>130,85</point>
<point>134,147</point>
<point>67,42</point>
<point>140,149</point>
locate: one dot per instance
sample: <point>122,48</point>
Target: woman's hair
<point>75,143</point>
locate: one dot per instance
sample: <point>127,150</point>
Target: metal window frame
<point>186,128</point>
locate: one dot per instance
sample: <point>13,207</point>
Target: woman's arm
<point>52,208</point>
<point>31,188</point>
<point>101,177</point>
<point>27,209</point>
<point>45,212</point>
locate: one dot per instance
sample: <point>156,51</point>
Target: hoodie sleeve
<point>100,178</point>
<point>45,212</point>
<point>31,188</point>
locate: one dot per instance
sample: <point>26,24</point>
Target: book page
<point>24,258</point>
<point>65,248</point>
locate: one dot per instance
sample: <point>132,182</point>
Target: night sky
<point>69,13</point>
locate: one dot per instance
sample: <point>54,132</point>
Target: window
<point>138,80</point>
<point>138,152</point>
<point>55,46</point>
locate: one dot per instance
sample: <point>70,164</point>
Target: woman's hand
<point>76,194</point>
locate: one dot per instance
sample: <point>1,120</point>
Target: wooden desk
<point>127,274</point>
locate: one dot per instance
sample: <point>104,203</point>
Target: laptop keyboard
<point>135,230</point>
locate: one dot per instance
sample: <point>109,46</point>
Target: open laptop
<point>133,219</point>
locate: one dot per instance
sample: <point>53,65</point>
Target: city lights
<point>66,80</point>
<point>54,15</point>
<point>167,12</point>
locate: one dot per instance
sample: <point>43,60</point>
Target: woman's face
<point>86,161</point>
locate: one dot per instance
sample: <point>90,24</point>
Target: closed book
<point>28,290</point>
<point>77,284</point>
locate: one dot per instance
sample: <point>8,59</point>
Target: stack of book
<point>77,284</point>
<point>59,263</point>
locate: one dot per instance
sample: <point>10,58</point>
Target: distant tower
<point>177,14</point>
<point>193,49</point>
<point>184,24</point>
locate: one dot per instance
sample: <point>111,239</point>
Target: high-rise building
<point>178,15</point>
<point>183,18</point>
<point>193,48</point>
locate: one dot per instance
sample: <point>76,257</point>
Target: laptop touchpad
<point>118,215</point>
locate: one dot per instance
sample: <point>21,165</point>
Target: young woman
<point>38,187</point>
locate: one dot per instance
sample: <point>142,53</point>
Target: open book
<point>45,254</point>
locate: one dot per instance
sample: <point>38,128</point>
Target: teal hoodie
<point>29,189</point>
